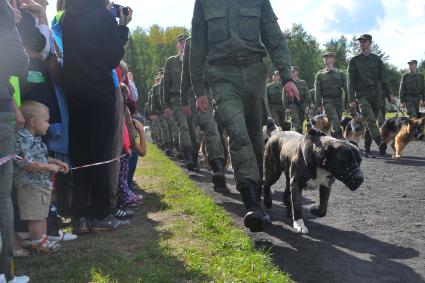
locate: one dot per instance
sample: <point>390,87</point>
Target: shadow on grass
<point>136,254</point>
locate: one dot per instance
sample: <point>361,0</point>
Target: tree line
<point>147,50</point>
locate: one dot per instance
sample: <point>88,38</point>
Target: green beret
<point>329,54</point>
<point>294,68</point>
<point>182,37</point>
<point>365,37</point>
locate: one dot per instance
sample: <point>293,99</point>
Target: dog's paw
<point>316,211</point>
<point>300,227</point>
<point>397,156</point>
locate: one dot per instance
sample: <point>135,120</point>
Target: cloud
<point>415,8</point>
<point>351,17</point>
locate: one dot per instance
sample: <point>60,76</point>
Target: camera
<point>115,10</point>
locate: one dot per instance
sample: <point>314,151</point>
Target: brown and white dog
<point>309,161</point>
<point>321,123</point>
<point>354,129</point>
<point>401,131</point>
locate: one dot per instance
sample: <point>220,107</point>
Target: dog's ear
<point>271,126</point>
<point>357,155</point>
<point>308,153</point>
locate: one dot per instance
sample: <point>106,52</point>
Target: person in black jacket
<point>13,61</point>
<point>93,47</point>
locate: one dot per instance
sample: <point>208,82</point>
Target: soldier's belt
<point>238,61</point>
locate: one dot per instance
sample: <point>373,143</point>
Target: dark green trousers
<point>412,105</point>
<point>238,93</point>
<point>333,109</point>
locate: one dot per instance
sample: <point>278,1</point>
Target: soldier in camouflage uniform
<point>274,96</point>
<point>412,89</point>
<point>329,85</point>
<point>366,79</point>
<point>172,103</point>
<point>294,108</point>
<point>155,126</point>
<point>205,121</point>
<point>157,114</point>
<point>234,36</point>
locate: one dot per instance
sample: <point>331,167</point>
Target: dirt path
<point>376,234</point>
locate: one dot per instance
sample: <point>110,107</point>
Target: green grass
<point>179,235</point>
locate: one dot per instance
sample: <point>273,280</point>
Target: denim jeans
<point>7,138</point>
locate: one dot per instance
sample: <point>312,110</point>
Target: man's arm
<point>351,81</point>
<point>402,90</point>
<point>345,89</point>
<point>273,39</point>
<point>318,90</point>
<point>185,81</point>
<point>198,49</point>
<point>384,80</point>
<point>166,87</point>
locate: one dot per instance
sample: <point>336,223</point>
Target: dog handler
<point>329,85</point>
<point>366,78</point>
<point>412,89</point>
<point>234,36</point>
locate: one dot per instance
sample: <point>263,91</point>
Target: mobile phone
<point>115,10</point>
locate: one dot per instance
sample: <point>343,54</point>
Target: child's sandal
<point>46,246</point>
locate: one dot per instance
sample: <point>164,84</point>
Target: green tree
<point>305,52</point>
<point>146,52</point>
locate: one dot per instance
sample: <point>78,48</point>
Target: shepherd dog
<point>401,131</point>
<point>321,123</point>
<point>354,129</point>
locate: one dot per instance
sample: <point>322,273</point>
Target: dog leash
<point>13,156</point>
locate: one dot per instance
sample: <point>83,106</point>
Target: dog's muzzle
<point>352,177</point>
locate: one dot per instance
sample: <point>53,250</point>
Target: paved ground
<point>376,234</point>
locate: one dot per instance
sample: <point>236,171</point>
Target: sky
<point>397,26</point>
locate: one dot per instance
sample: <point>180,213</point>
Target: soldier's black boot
<point>338,135</point>
<point>367,145</point>
<point>254,218</point>
<point>218,177</point>
<point>189,161</point>
<point>195,159</point>
<point>168,149</point>
<point>382,146</point>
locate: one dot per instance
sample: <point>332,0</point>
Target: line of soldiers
<point>176,121</point>
<point>221,69</point>
<point>367,89</point>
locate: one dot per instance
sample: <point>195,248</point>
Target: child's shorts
<point>33,202</point>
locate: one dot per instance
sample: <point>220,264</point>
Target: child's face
<point>40,124</point>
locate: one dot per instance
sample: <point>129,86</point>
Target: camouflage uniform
<point>205,121</point>
<point>172,81</point>
<point>329,85</point>
<point>298,108</point>
<point>366,80</point>
<point>412,90</point>
<point>157,109</point>
<point>234,36</point>
<point>274,96</point>
<point>155,126</point>
<point>169,122</point>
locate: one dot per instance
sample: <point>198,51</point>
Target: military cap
<point>365,37</point>
<point>328,54</point>
<point>182,37</point>
<point>294,68</point>
<point>412,62</point>
<point>276,73</point>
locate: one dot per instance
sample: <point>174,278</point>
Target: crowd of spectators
<point>69,137</point>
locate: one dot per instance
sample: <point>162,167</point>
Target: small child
<point>33,175</point>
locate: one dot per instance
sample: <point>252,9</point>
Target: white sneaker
<point>17,279</point>
<point>20,279</point>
